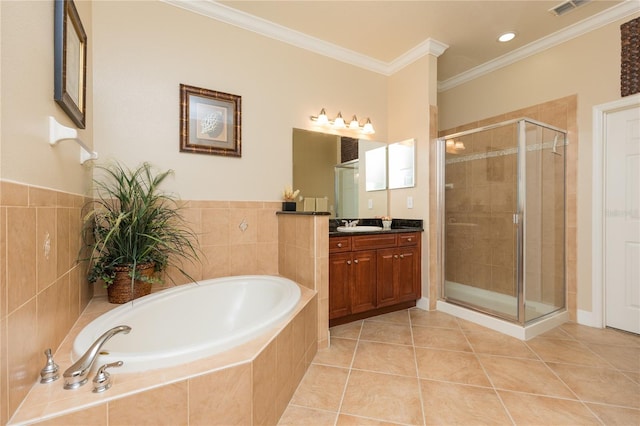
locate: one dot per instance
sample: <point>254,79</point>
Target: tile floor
<point>414,367</point>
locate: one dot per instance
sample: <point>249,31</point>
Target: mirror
<point>402,164</point>
<point>319,172</point>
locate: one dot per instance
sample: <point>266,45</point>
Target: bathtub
<point>190,322</point>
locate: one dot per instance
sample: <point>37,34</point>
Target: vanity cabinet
<point>372,274</point>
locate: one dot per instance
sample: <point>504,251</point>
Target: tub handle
<point>102,381</point>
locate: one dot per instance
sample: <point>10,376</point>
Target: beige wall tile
<point>94,416</point>
<point>42,197</point>
<point>63,237</point>
<point>13,194</point>
<point>21,255</point>
<point>223,397</point>
<point>264,386</point>
<point>166,405</point>
<point>46,247</point>
<point>23,355</point>
<point>53,314</point>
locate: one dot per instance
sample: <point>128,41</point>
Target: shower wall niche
<point>503,215</point>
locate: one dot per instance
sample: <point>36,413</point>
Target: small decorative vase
<point>386,224</point>
<point>288,206</point>
<point>121,291</point>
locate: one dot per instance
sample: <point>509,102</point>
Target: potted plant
<point>289,197</point>
<point>134,231</point>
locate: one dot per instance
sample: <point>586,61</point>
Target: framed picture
<point>70,61</point>
<point>210,122</point>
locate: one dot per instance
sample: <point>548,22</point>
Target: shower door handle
<point>516,218</point>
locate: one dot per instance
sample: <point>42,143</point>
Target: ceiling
<point>386,30</point>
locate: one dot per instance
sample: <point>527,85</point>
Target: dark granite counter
<point>397,226</point>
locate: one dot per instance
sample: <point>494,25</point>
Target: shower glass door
<point>480,229</point>
<point>544,221</point>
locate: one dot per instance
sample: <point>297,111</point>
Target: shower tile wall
<point>480,202</point>
<point>560,113</point>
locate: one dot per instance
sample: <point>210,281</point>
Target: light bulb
<point>338,123</point>
<point>460,146</point>
<point>323,120</point>
<point>354,125</point>
<point>368,128</point>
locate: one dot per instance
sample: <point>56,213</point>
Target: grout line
<point>495,391</point>
<point>346,383</point>
<point>415,360</point>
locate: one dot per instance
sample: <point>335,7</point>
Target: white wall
<point>144,50</point>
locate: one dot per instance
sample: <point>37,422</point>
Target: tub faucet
<point>77,374</point>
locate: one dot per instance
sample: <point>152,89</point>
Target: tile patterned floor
<point>414,367</point>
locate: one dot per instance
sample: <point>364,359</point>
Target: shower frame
<point>519,218</point>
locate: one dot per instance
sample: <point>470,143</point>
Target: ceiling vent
<point>567,6</point>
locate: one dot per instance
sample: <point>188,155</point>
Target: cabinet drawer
<point>363,242</point>
<point>339,244</point>
<point>411,239</point>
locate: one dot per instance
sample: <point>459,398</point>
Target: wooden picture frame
<point>70,61</point>
<point>210,122</point>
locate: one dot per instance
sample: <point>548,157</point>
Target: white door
<point>622,219</point>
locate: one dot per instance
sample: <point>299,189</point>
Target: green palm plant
<point>131,222</point>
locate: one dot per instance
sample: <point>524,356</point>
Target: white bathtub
<point>191,321</point>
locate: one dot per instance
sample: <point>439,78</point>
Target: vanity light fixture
<point>339,123</point>
<point>353,124</point>
<point>508,36</point>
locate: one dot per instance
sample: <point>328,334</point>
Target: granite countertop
<point>397,226</point>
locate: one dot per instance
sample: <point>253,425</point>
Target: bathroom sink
<point>358,228</point>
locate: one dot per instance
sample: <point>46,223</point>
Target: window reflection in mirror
<point>376,169</point>
<point>401,164</point>
<point>317,164</point>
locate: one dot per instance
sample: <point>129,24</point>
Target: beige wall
<point>411,91</point>
<point>27,85</point>
<point>138,70</point>
<point>588,66</point>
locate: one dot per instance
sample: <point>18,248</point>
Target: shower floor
<point>499,304</point>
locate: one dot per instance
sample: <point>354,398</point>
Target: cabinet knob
<point>339,245</point>
<point>402,256</point>
<point>355,261</point>
<point>348,262</point>
<point>409,239</point>
<point>395,256</point>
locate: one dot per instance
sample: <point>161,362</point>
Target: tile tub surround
<point>42,289</point>
<point>428,367</point>
<point>250,384</point>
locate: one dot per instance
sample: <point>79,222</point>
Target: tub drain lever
<point>50,371</point>
<point>102,381</point>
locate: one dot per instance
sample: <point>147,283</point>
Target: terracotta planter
<point>121,290</point>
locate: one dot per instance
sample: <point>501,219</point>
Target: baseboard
<point>587,318</point>
<point>423,303</point>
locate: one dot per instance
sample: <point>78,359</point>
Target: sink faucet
<point>77,374</point>
<point>350,224</point>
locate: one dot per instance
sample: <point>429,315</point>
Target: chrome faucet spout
<point>77,375</point>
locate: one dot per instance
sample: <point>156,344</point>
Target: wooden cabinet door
<point>340,273</point>
<point>408,270</point>
<point>387,293</point>
<point>363,288</point>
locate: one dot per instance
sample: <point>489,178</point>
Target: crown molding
<point>278,32</point>
<point>601,19</point>
<point>248,22</point>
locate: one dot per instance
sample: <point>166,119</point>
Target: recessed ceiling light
<point>507,37</point>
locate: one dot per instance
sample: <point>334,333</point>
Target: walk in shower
<point>502,211</point>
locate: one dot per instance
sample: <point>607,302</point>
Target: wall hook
<point>58,132</point>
